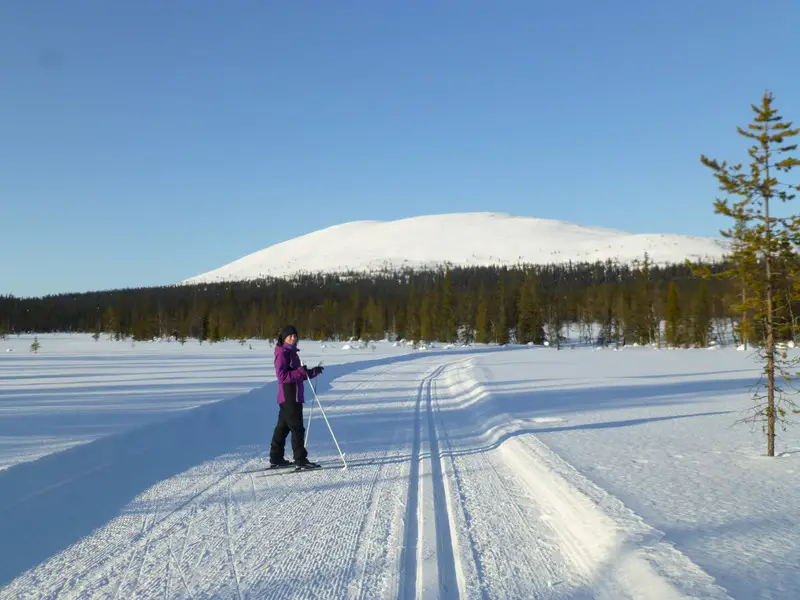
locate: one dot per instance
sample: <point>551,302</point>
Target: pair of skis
<point>287,468</point>
<point>294,468</point>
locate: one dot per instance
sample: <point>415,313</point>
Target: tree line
<point>609,303</point>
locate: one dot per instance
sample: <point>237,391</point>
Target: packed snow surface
<point>478,472</point>
<point>470,239</point>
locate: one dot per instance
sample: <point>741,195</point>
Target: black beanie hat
<point>287,331</point>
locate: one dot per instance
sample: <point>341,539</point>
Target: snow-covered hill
<point>458,239</point>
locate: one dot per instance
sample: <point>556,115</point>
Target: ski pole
<point>310,413</point>
<point>324,416</point>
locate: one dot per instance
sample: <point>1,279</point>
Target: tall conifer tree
<point>760,240</point>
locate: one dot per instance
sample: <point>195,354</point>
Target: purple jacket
<point>290,374</point>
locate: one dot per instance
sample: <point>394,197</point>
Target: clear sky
<point>144,142</point>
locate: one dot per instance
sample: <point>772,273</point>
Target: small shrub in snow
<point>35,345</point>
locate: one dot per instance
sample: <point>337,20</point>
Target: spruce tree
<point>412,314</point>
<point>482,318</point>
<point>468,309</point>
<point>448,312</point>
<point>701,316</point>
<point>555,320</point>
<point>501,322</point>
<point>529,322</point>
<point>620,327</point>
<point>374,320</point>
<point>673,317</point>
<point>759,240</point>
<point>111,324</point>
<point>425,320</point>
<point>355,311</point>
<point>642,313</point>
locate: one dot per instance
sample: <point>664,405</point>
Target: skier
<point>291,374</point>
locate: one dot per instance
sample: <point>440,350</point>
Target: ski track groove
<point>145,519</point>
<point>411,560</point>
<point>368,523</point>
<point>231,555</point>
<point>462,505</point>
<point>190,519</point>
<point>445,556</point>
<point>180,571</point>
<point>146,549</point>
<point>167,576</point>
<point>408,560</point>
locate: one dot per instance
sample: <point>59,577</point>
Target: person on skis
<point>291,375</point>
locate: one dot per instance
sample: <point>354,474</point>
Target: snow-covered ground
<point>77,389</point>
<point>473,472</point>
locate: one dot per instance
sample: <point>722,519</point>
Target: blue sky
<point>145,142</point>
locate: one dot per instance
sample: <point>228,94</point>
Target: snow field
<point>77,390</point>
<point>473,473</point>
<point>594,551</point>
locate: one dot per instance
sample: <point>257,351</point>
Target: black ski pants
<point>290,419</point>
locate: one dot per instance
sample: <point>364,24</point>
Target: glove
<point>320,369</point>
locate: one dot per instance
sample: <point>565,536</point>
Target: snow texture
<point>474,472</point>
<point>470,239</point>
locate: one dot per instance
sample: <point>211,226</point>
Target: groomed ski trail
<point>442,500</point>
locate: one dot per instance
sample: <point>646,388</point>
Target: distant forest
<point>610,303</point>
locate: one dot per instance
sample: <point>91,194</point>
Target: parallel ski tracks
<point>441,509</point>
<point>428,568</point>
<point>450,548</point>
<point>220,530</point>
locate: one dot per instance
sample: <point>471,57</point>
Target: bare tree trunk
<point>745,333</point>
<point>770,327</point>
